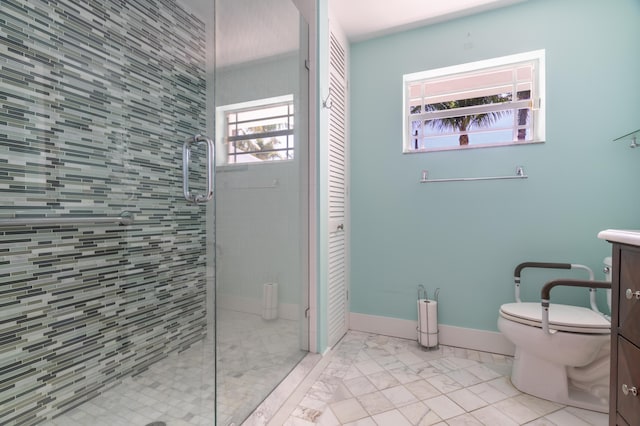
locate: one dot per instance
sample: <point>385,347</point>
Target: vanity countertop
<point>624,236</point>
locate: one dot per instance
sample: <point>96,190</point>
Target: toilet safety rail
<point>553,265</point>
<point>546,294</point>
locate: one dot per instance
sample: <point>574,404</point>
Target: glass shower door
<point>261,215</point>
<point>106,281</point>
<point>117,277</point>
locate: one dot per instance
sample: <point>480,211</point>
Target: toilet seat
<point>568,318</point>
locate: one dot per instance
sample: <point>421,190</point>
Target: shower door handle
<point>186,160</point>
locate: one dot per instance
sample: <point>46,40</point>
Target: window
<point>259,131</point>
<point>487,103</point>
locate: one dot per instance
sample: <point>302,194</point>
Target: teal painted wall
<point>466,237</point>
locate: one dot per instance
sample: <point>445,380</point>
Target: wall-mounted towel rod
<point>633,136</point>
<point>274,184</point>
<point>125,218</point>
<point>519,175</point>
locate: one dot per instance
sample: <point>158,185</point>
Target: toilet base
<point>547,380</point>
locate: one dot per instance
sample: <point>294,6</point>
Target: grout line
<point>284,412</point>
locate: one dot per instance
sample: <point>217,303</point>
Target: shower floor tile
<point>253,357</point>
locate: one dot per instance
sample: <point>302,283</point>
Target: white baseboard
<point>468,338</point>
<point>247,305</point>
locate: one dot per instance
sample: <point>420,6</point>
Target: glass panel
<point>261,216</point>
<point>475,97</point>
<point>255,150</point>
<point>415,106</point>
<point>479,129</point>
<point>471,98</point>
<point>263,125</point>
<point>524,91</point>
<point>264,130</point>
<point>479,138</point>
<point>272,111</point>
<point>415,91</point>
<point>417,133</point>
<point>469,82</point>
<point>524,73</point>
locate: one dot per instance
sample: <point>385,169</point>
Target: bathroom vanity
<point>624,408</point>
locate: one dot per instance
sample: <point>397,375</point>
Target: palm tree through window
<point>484,105</point>
<point>260,133</point>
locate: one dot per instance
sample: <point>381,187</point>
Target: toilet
<point>569,365</point>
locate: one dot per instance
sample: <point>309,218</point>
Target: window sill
<point>240,167</point>
<point>458,148</point>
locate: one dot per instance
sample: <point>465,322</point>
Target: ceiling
<point>253,29</point>
<point>364,19</point>
<point>249,30</point>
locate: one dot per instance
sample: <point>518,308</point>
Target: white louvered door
<point>338,306</point>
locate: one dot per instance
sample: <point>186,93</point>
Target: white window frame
<point>536,103</point>
<point>222,156</point>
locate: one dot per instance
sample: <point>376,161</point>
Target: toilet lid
<point>561,317</point>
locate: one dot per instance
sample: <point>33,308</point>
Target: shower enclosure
<point>127,295</point>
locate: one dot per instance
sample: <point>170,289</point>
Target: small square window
<point>487,103</point>
<point>258,131</point>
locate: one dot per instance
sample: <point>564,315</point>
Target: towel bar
<point>519,175</point>
<point>125,218</point>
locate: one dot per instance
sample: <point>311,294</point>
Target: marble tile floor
<point>253,357</point>
<point>178,390</point>
<point>377,380</point>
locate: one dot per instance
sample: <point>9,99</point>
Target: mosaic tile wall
<point>96,98</point>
